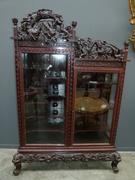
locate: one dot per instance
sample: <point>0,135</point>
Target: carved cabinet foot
<point>17,163</point>
<point>17,170</point>
<point>115,160</point>
<point>114,166</point>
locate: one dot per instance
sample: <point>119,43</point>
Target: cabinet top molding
<point>48,28</point>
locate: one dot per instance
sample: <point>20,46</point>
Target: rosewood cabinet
<point>68,92</point>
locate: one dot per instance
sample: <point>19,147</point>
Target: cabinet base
<point>19,158</point>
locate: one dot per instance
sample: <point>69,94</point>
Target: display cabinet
<point>69,91</point>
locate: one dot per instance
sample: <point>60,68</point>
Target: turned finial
<point>15,21</point>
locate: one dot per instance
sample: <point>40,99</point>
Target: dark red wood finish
<point>79,60</point>
<point>20,91</point>
<point>120,72</point>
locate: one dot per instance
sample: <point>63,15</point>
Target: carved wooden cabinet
<point>68,92</point>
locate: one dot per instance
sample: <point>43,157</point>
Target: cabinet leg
<point>114,166</point>
<point>17,169</point>
<point>17,160</point>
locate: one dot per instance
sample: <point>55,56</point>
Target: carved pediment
<point>47,28</point>
<point>96,49</point>
<point>44,26</point>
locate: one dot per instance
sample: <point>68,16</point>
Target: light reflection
<point>59,57</point>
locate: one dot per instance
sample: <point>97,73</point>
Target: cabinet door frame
<point>118,95</point>
<point>20,93</point>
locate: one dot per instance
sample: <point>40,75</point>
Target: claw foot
<point>114,166</point>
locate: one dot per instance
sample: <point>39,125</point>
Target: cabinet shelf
<point>45,130</point>
<point>90,130</point>
<point>34,68</point>
<point>57,79</point>
<point>43,123</point>
<point>41,68</point>
<point>45,96</point>
<point>37,102</point>
<point>104,83</point>
<point>44,116</point>
<point>55,97</point>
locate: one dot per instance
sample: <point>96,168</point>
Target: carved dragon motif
<point>18,158</point>
<point>47,27</point>
<point>44,26</point>
<point>97,49</point>
<point>66,157</point>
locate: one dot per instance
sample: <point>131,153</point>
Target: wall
<point>105,20</point>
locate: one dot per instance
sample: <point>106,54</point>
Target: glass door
<point>45,97</point>
<point>94,106</point>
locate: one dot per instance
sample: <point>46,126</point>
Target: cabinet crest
<point>43,25</point>
<point>46,27</point>
<point>96,49</point>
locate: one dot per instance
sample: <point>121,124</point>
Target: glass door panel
<point>45,97</point>
<point>94,104</point>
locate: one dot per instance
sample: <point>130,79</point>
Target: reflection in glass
<point>94,103</point>
<point>45,92</point>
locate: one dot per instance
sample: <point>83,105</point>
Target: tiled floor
<point>67,171</point>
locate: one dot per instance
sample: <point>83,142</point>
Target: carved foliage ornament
<point>29,158</point>
<point>97,49</point>
<point>44,26</point>
<point>18,158</point>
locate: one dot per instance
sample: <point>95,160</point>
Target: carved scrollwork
<point>47,28</point>
<point>19,158</point>
<point>66,157</point>
<point>90,49</point>
<point>44,26</point>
